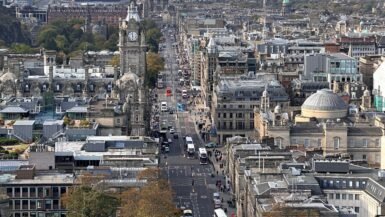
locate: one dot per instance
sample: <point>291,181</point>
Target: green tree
<point>155,64</point>
<point>61,42</point>
<point>21,48</point>
<point>84,201</point>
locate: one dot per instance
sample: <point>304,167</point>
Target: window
<point>350,196</point>
<point>219,115</point>
<point>364,157</point>
<point>338,196</point>
<point>336,141</point>
<point>251,115</point>
<point>251,124</point>
<point>224,115</point>
<point>118,120</point>
<point>350,184</point>
<point>356,196</point>
<point>278,142</point>
<point>239,115</point>
<point>231,115</point>
<point>357,209</point>
<point>240,106</point>
<point>377,142</point>
<point>331,196</point>
<point>306,143</point>
<point>343,196</point>
<point>240,125</point>
<point>365,142</point>
<point>230,125</point>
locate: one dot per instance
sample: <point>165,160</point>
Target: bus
<point>189,140</point>
<point>160,84</point>
<point>203,156</point>
<point>219,213</point>
<point>163,107</point>
<point>168,91</point>
<point>190,150</point>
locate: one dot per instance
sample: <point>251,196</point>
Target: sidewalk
<point>219,171</point>
<point>198,115</point>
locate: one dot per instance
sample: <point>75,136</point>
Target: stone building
<point>326,123</point>
<point>109,14</point>
<point>234,101</point>
<point>43,76</point>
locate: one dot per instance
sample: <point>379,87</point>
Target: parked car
<point>176,136</point>
<point>211,145</point>
<point>172,131</point>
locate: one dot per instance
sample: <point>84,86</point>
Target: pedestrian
<point>223,172</point>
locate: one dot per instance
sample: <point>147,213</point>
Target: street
<point>192,182</point>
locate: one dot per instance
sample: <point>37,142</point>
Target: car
<point>176,136</point>
<point>187,213</point>
<point>172,131</point>
<point>217,200</point>
<point>211,145</point>
<point>171,111</point>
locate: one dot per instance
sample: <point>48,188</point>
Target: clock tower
<point>132,45</point>
<point>129,85</point>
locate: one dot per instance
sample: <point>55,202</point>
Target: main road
<point>191,182</point>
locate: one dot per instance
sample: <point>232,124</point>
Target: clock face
<point>132,36</point>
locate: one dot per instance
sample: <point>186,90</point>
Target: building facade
<point>234,101</point>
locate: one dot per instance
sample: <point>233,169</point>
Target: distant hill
<point>11,30</point>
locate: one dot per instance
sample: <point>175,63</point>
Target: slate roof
<point>364,131</point>
<point>13,109</point>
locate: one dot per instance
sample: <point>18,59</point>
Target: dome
<point>324,104</point>
<point>9,76</point>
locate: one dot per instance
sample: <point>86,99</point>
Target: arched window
<point>336,142</point>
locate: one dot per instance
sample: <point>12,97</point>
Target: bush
<point>8,141</point>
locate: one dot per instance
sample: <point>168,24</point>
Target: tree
<point>155,64</point>
<point>84,201</point>
<point>21,48</point>
<point>155,199</point>
<point>115,61</point>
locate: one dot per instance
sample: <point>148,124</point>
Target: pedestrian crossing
<point>188,181</point>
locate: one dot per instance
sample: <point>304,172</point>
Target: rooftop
<point>39,179</point>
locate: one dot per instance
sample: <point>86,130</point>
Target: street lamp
<point>15,89</point>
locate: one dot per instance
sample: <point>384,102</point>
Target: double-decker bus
<point>168,91</point>
<point>203,158</point>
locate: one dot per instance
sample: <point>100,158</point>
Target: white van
<point>163,107</point>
